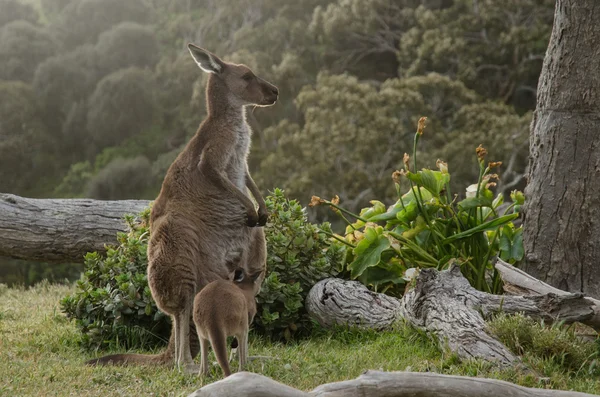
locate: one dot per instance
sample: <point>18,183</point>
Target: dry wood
<point>60,230</point>
<point>378,384</point>
<point>334,301</point>
<point>517,282</point>
<point>444,304</point>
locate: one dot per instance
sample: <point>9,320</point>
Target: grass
<point>40,355</point>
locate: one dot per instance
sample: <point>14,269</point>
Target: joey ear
<point>238,275</point>
<point>207,61</point>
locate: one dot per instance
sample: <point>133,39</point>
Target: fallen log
<point>378,384</point>
<point>60,230</point>
<point>517,282</point>
<point>443,304</point>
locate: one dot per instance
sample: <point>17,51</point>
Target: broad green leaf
<point>494,223</point>
<point>474,202</point>
<point>368,251</point>
<point>433,181</point>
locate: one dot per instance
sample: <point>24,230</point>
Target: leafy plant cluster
<point>113,305</point>
<point>429,227</point>
<point>300,254</point>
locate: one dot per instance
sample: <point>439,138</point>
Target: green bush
<point>429,227</point>
<point>299,255</point>
<point>113,306</point>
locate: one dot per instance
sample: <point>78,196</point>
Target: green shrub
<point>429,227</point>
<point>112,303</point>
<point>113,306</point>
<point>299,255</point>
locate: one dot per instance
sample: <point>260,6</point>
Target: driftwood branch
<point>378,384</point>
<point>517,282</point>
<point>60,230</point>
<point>444,304</point>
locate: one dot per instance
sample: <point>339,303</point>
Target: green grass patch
<point>40,353</point>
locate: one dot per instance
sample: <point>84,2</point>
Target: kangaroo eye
<point>248,76</point>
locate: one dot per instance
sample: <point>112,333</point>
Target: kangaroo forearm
<point>224,183</point>
<point>250,184</point>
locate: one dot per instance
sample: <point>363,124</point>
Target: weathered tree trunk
<point>60,230</point>
<point>562,222</point>
<point>517,282</point>
<point>378,384</point>
<point>444,304</point>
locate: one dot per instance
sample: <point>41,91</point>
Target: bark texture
<point>378,384</point>
<point>517,282</point>
<point>445,304</point>
<point>562,222</point>
<point>334,301</point>
<point>60,230</point>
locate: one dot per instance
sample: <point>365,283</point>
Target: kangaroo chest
<point>237,166</point>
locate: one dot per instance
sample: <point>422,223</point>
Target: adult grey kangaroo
<point>203,224</point>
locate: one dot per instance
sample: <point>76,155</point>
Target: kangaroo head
<point>245,88</point>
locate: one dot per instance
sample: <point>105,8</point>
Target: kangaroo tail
<point>218,340</point>
<point>125,359</point>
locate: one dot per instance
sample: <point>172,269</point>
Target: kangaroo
<point>222,309</point>
<point>203,224</point>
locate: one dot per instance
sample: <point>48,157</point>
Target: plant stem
<point>345,212</point>
<point>341,240</point>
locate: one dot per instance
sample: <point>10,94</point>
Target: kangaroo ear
<point>207,61</point>
<point>238,275</point>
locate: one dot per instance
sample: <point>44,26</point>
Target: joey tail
<point>218,340</point>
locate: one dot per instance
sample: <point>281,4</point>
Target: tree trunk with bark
<point>562,214</point>
<point>60,230</point>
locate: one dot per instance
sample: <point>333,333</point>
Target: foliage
<point>22,47</point>
<point>427,227</point>
<point>113,304</point>
<point>559,345</point>
<point>122,179</point>
<point>130,88</point>
<point>14,10</point>
<point>299,255</point>
<point>23,136</point>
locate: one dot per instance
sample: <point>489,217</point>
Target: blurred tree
<point>26,152</point>
<point>52,8</point>
<point>14,10</point>
<point>82,21</point>
<point>22,47</point>
<point>495,48</point>
<point>355,134</point>
<point>122,179</point>
<point>126,44</point>
<point>122,105</point>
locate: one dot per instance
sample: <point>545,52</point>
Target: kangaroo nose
<point>274,90</point>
